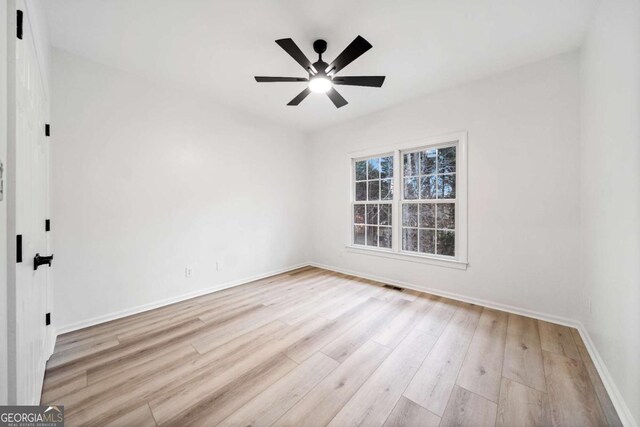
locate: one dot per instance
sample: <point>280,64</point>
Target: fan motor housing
<point>320,46</point>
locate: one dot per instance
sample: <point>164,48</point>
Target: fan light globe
<point>320,84</point>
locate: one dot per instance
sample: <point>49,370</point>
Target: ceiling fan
<point>322,76</point>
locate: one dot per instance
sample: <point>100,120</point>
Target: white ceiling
<point>218,46</point>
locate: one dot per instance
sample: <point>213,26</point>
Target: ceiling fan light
<point>319,84</point>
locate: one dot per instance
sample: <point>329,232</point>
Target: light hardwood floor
<point>315,348</point>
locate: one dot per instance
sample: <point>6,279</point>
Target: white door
<point>33,339</point>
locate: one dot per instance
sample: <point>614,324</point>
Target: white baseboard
<point>616,397</point>
<point>458,297</point>
<point>157,304</point>
<point>626,417</point>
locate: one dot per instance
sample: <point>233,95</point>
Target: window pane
<point>410,215</point>
<point>446,243</point>
<point>361,190</point>
<point>427,242</point>
<point>447,215</point>
<point>428,187</point>
<point>386,167</point>
<point>372,214</point>
<point>361,170</point>
<point>411,161</point>
<point>385,237</point>
<point>373,168</point>
<point>428,162</point>
<point>446,186</point>
<point>358,214</point>
<point>447,160</point>
<point>386,189</point>
<point>410,239</point>
<point>374,190</point>
<point>372,235</point>
<point>358,234</point>
<point>411,188</point>
<point>427,215</point>
<point>384,214</point>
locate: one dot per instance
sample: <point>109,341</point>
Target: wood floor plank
<point>481,371</point>
<point>272,403</point>
<point>400,326</point>
<point>139,417</point>
<point>322,403</point>
<point>605,401</point>
<point>410,414</point>
<point>572,398</point>
<point>557,339</point>
<point>432,385</point>
<point>334,290</point>
<point>181,331</point>
<point>468,409</point>
<point>211,406</point>
<point>326,305</point>
<point>520,405</point>
<point>128,386</point>
<point>523,355</point>
<point>142,362</point>
<point>188,393</point>
<point>377,397</point>
<point>106,400</point>
<point>438,317</point>
<point>110,329</point>
<point>343,346</point>
<point>55,388</point>
<point>344,305</point>
<point>223,333</point>
<point>80,352</point>
<point>305,348</point>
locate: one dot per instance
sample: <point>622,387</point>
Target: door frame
<point>4,21</point>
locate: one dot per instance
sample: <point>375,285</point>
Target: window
<point>429,201</point>
<point>372,210</point>
<point>425,217</point>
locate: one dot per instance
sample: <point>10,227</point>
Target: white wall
<point>523,191</point>
<point>610,203</point>
<point>148,179</point>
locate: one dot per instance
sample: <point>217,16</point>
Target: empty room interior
<point>297,213</point>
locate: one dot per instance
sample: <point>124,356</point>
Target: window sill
<point>421,259</point>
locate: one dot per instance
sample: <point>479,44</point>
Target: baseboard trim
<point>150,306</point>
<point>616,397</point>
<point>624,413</point>
<point>458,297</point>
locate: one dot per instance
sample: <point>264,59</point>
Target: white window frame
<point>460,260</point>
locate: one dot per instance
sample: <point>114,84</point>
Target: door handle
<point>41,260</point>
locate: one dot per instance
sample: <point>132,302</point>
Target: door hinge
<point>47,130</point>
<point>47,225</point>
<point>19,23</point>
<point>19,248</point>
<point>47,319</point>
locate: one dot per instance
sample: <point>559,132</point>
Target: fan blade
<point>336,98</point>
<point>294,51</point>
<point>261,79</point>
<point>350,54</point>
<point>372,81</point>
<point>302,95</point>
